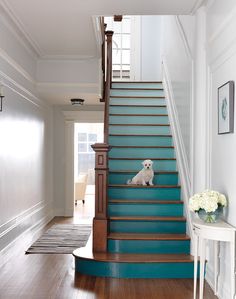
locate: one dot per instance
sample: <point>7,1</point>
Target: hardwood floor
<point>52,276</point>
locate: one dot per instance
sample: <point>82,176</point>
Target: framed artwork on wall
<point>226,108</point>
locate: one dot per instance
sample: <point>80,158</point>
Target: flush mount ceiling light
<point>77,102</point>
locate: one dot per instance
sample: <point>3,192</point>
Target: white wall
<point>26,196</point>
<point>177,59</point>
<point>150,50</point>
<point>64,117</point>
<point>221,52</point>
<point>212,49</point>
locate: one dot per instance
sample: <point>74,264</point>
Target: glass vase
<point>211,217</point>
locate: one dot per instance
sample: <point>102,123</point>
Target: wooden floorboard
<point>52,276</point>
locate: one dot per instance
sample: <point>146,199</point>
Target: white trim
<point>58,84</point>
<point>197,5</point>
<point>181,155</point>
<point>222,26</point>
<point>16,66</point>
<point>12,27</point>
<point>98,33</point>
<point>16,21</point>
<point>183,37</point>
<point>225,54</point>
<point>27,222</point>
<point>21,91</point>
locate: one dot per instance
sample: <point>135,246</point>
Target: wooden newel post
<point>100,223</point>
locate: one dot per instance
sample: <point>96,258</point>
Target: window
<point>121,47</point>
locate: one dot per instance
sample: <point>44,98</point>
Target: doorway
<point>85,135</point>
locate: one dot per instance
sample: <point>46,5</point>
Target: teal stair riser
<point>141,152</point>
<point>134,270</point>
<point>147,193</point>
<point>137,140</point>
<point>137,85</point>
<point>139,130</point>
<point>137,101</point>
<point>145,93</point>
<point>138,120</point>
<point>159,165</point>
<point>136,110</point>
<point>149,246</point>
<point>160,179</point>
<point>120,209</point>
<point>145,227</point>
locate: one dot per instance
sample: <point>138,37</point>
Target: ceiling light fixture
<point>77,102</point>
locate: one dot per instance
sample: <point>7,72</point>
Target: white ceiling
<point>64,28</point>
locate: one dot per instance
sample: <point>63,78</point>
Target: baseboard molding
<point>181,155</point>
<point>24,226</point>
<point>223,288</point>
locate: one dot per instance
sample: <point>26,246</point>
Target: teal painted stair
<point>147,230</point>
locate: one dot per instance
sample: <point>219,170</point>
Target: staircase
<point>146,227</point>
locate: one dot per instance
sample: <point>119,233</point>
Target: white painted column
<point>199,171</point>
<point>69,168</point>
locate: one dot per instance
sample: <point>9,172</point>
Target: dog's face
<point>147,164</point>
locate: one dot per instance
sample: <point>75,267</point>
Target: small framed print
<point>226,108</point>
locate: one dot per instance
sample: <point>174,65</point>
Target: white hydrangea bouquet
<point>208,204</point>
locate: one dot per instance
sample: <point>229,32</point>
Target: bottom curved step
<point>133,265</point>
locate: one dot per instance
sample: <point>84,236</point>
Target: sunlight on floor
<point>84,213</point>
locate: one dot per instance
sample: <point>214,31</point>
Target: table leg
<point>232,270</point>
<point>195,265</point>
<point>202,266</point>
<point>216,266</point>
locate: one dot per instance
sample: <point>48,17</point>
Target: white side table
<point>220,231</point>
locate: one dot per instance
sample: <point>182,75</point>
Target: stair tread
<point>146,201</point>
<point>120,114</point>
<point>135,89</point>
<point>142,146</point>
<point>142,135</point>
<point>135,171</point>
<point>84,253</point>
<point>148,218</point>
<point>141,186</point>
<point>138,97</point>
<point>151,106</point>
<point>136,236</point>
<point>142,125</point>
<point>144,158</point>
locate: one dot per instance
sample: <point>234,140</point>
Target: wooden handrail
<point>100,221</point>
<point>108,82</point>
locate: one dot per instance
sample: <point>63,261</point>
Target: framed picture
<point>226,108</point>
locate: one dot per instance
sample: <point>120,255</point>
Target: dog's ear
<point>143,163</point>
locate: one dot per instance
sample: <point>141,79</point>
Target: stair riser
<point>147,193</point>
<point>136,209</point>
<point>137,85</point>
<point>142,152</point>
<point>144,93</point>
<point>159,165</point>
<point>138,120</point>
<point>145,227</point>
<point>134,270</point>
<point>160,179</point>
<point>137,140</point>
<point>149,246</point>
<point>136,110</point>
<point>139,130</point>
<point>137,101</point>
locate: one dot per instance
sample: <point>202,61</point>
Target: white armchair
<point>80,187</point>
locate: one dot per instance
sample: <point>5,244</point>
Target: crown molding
<point>197,5</point>
<point>19,29</point>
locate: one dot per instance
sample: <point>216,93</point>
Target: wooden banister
<point>108,83</point>
<point>100,221</point>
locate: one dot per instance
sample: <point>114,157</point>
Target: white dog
<point>144,176</point>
